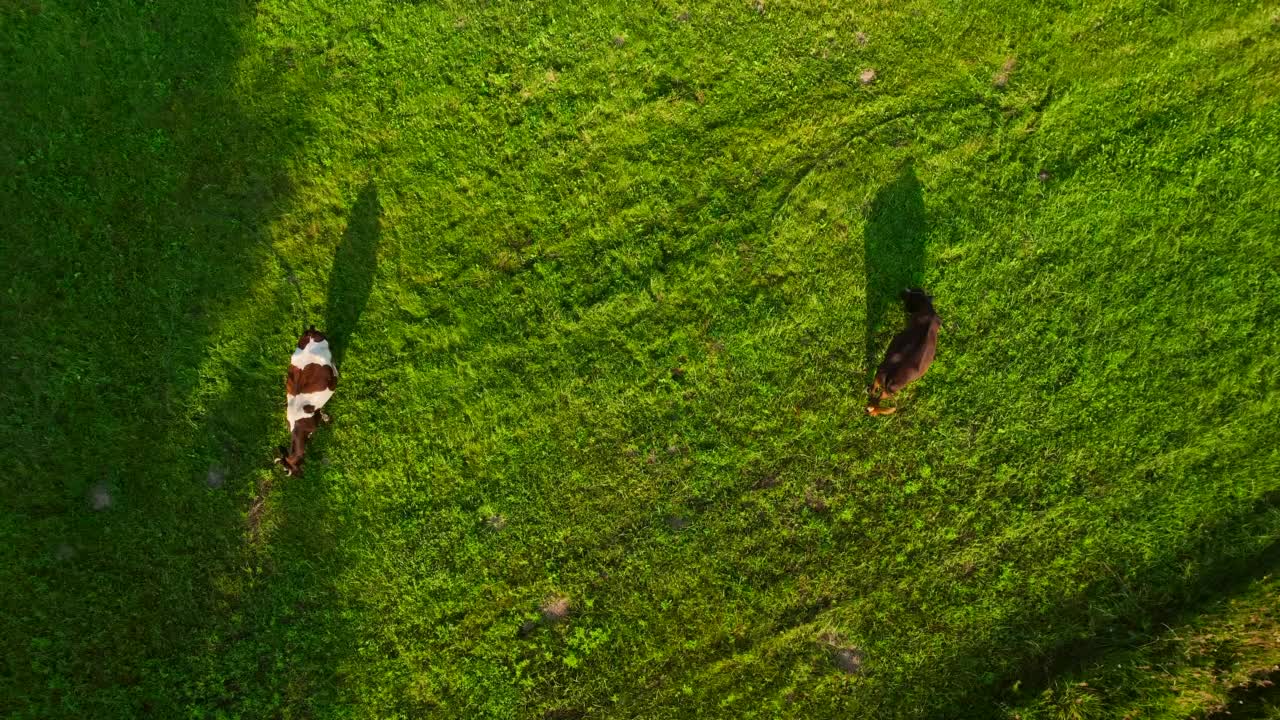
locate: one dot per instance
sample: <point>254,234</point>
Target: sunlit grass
<point>609,281</point>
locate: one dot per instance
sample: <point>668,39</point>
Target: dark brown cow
<point>910,354</point>
<point>311,381</point>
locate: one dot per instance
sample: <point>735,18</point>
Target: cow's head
<point>917,301</point>
<point>292,457</point>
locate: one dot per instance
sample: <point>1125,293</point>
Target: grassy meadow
<point>607,282</point>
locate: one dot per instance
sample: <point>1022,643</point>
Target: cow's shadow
<point>354,264</point>
<point>894,250</point>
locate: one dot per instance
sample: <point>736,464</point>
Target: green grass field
<point>608,282</point>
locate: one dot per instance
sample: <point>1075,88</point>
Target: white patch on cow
<point>315,353</point>
<point>295,411</point>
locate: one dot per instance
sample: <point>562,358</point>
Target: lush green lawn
<point>608,281</point>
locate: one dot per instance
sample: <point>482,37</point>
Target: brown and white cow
<point>910,353</point>
<point>311,381</point>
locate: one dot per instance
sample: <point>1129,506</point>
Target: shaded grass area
<point>607,282</point>
<point>1220,662</point>
<point>146,150</point>
<point>354,264</point>
<point>893,255</point>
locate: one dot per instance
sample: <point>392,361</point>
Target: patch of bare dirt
<point>847,658</point>
<point>815,501</point>
<point>258,509</point>
<point>861,37</point>
<point>1001,79</point>
<point>564,714</point>
<point>496,522</point>
<point>555,608</point>
<point>868,76</point>
<point>526,629</point>
<point>507,261</point>
<point>766,481</point>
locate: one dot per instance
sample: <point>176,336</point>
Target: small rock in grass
<point>555,608</point>
<point>216,477</point>
<point>867,76</point>
<point>844,656</point>
<point>100,497</point>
